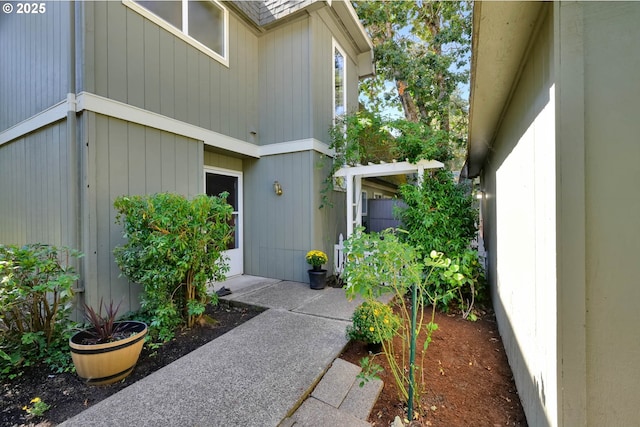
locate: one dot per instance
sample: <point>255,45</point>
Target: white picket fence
<point>338,256</point>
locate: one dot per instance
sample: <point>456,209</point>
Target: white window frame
<point>224,59</point>
<point>365,203</point>
<point>336,46</point>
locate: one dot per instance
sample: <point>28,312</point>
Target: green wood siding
<point>285,100</point>
<point>278,229</point>
<point>217,160</point>
<point>125,158</point>
<point>138,63</point>
<point>34,188</point>
<point>34,52</point>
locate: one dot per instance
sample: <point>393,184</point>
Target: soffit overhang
<point>501,37</point>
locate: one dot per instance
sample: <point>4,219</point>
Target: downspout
<point>73,178</point>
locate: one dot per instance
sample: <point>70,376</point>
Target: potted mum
<point>317,275</point>
<point>108,350</point>
<point>373,323</point>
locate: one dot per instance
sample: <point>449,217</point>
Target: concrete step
<point>315,413</point>
<point>360,400</point>
<point>336,383</point>
<point>338,399</point>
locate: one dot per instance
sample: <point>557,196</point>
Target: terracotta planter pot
<point>101,364</point>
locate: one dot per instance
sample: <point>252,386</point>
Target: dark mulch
<point>68,395</point>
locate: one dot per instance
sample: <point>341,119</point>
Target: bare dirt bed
<point>68,395</point>
<point>467,377</point>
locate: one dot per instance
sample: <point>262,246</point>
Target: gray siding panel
<point>152,69</point>
<point>100,56</point>
<point>221,161</point>
<point>116,49</point>
<point>285,101</point>
<point>135,60</point>
<point>33,188</point>
<point>130,159</point>
<point>34,52</point>
<point>280,230</point>
<point>141,64</point>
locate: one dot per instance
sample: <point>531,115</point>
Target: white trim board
<point>111,108</point>
<point>309,144</point>
<point>120,110</point>
<point>50,115</point>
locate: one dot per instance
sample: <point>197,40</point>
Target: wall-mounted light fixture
<point>277,188</point>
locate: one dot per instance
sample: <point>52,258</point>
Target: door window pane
<point>217,184</point>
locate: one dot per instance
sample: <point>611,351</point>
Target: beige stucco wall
<point>519,217</point>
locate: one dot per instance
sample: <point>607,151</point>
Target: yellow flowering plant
<point>38,408</point>
<point>316,258</point>
<point>373,322</point>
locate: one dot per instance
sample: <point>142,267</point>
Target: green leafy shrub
<point>462,290</point>
<point>380,263</point>
<point>439,215</point>
<point>373,322</point>
<point>36,296</point>
<point>174,246</point>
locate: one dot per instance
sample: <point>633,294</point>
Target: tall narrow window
<point>203,24</point>
<point>339,80</point>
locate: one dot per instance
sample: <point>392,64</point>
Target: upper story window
<point>339,81</point>
<point>203,24</point>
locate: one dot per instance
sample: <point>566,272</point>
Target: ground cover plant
<point>36,296</point>
<point>23,399</point>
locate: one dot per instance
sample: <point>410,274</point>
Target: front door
<point>217,181</point>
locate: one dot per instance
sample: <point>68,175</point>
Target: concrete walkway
<point>258,374</point>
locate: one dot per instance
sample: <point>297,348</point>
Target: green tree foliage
<point>36,296</point>
<point>422,49</point>
<point>364,136</point>
<point>439,215</point>
<point>174,246</point>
